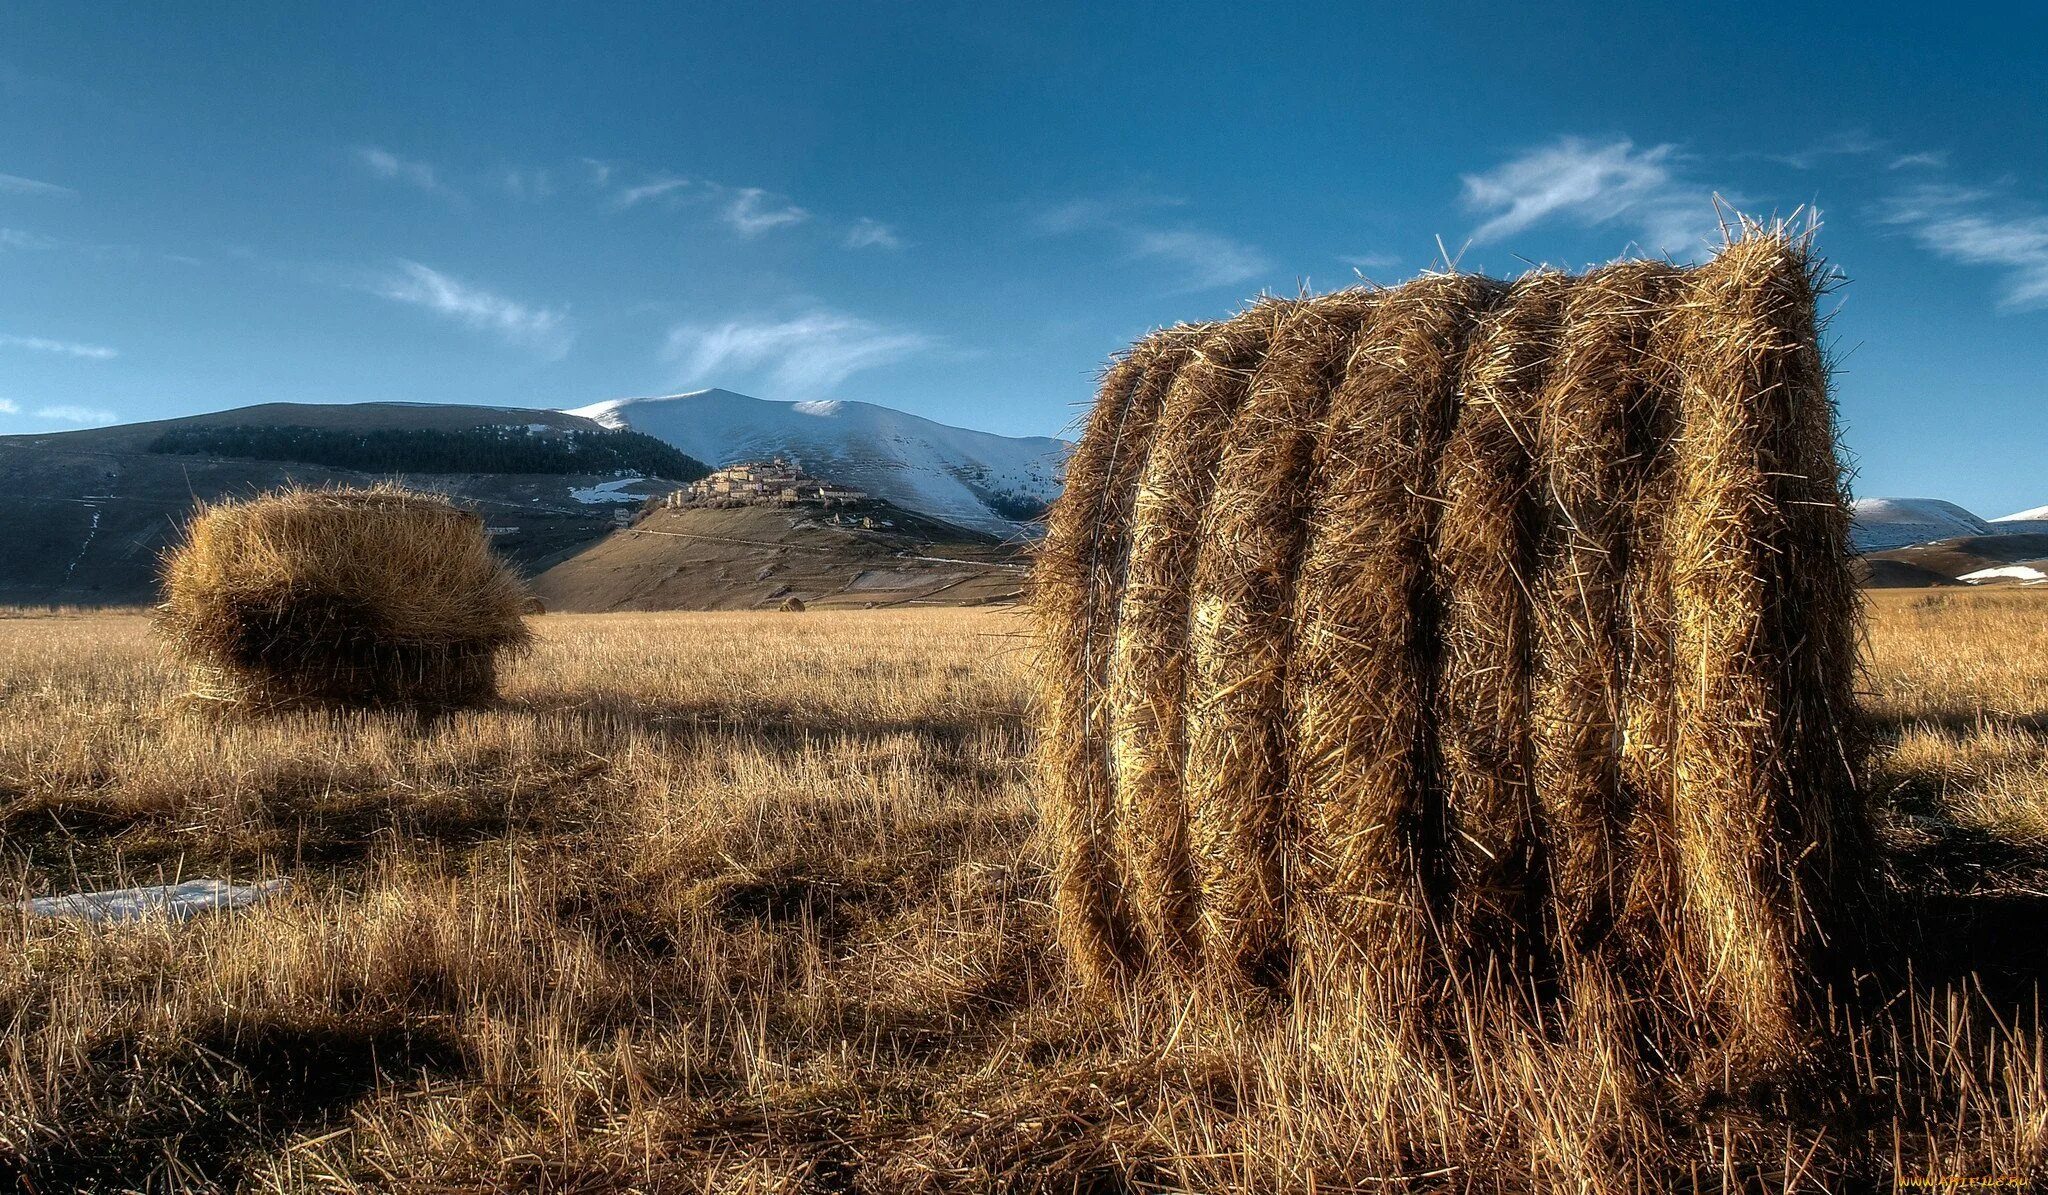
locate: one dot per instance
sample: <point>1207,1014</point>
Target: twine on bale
<point>1468,632</point>
<point>340,597</point>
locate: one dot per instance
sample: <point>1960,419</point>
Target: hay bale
<point>1148,664</point>
<point>340,597</point>
<point>1078,573</point>
<point>1466,632</point>
<point>1484,560</point>
<point>1363,668</point>
<point>1240,630</point>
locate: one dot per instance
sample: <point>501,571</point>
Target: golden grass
<point>744,902</point>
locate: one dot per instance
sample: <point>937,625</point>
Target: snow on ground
<point>2024,574</point>
<point>608,491</point>
<point>952,473</point>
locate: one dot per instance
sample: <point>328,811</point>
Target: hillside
<point>2013,558</point>
<point>970,478</point>
<point>750,557</point>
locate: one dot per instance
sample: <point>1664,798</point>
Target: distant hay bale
<point>1399,639</point>
<point>792,605</point>
<point>340,597</point>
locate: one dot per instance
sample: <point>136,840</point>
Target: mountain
<point>1883,523</point>
<point>975,479</point>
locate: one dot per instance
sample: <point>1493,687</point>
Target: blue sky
<point>961,210</point>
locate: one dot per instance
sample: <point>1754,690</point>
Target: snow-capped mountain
<point>2023,521</point>
<point>1884,523</point>
<point>974,479</point>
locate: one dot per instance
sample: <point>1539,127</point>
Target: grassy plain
<point>756,902</point>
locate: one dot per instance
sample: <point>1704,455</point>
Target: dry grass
<point>753,903</point>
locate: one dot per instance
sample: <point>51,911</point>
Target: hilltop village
<point>774,482</point>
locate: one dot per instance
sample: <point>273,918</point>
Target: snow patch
<point>607,491</point>
<point>2024,574</point>
<point>179,902</point>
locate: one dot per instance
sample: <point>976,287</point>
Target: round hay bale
<point>792,605</point>
<point>342,597</point>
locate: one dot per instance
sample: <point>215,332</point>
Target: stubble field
<point>739,902</point>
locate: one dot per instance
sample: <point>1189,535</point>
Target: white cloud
<point>750,213</point>
<point>1592,184</point>
<point>63,413</point>
<point>1974,228</point>
<point>14,184</point>
<point>69,348</point>
<point>653,188</point>
<point>1200,259</point>
<point>8,408</point>
<point>802,357</point>
<point>542,329</point>
<point>872,234</point>
<point>384,164</point>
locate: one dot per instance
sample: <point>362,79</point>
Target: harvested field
<point>746,902</point>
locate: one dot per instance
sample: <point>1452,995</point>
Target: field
<point>755,902</point>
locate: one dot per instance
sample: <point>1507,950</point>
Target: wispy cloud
<point>16,238</point>
<point>1200,260</point>
<point>801,357</point>
<point>1854,143</point>
<point>753,212</point>
<point>1368,262</point>
<point>1979,228</point>
<point>65,413</point>
<point>14,184</point>
<point>1592,184</point>
<point>68,348</point>
<point>871,234</point>
<point>8,408</point>
<point>1194,258</point>
<point>542,329</point>
<point>382,163</point>
<point>652,189</point>
<point>1922,161</point>
<point>528,186</point>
